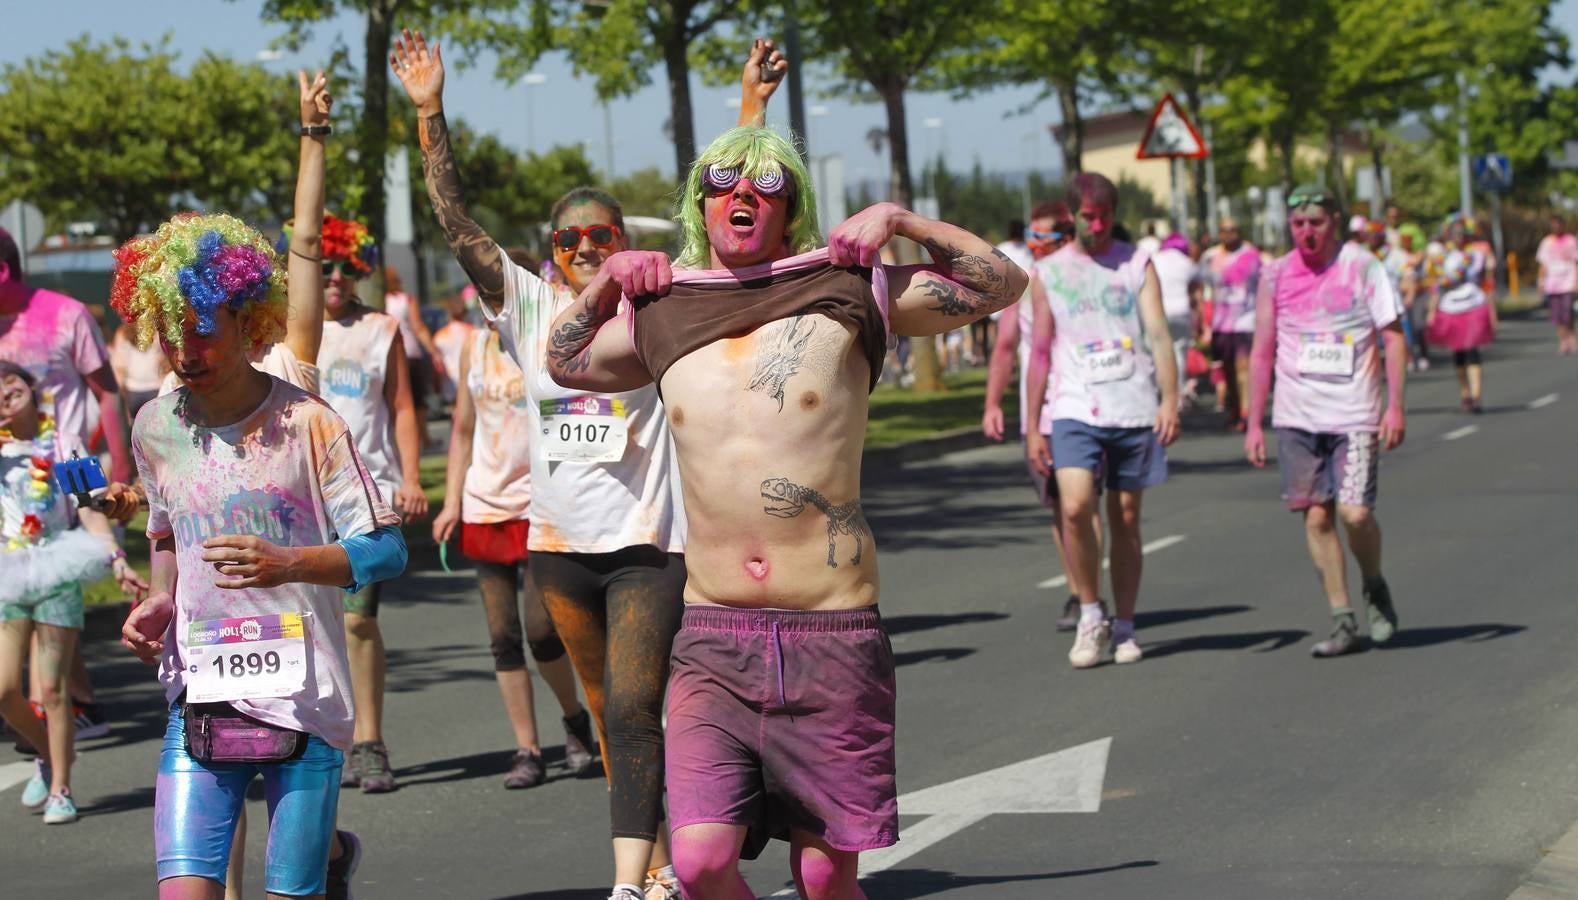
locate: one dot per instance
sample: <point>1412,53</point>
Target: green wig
<point>755,151</point>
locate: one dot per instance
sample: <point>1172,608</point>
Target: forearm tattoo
<point>783,499</point>
<point>781,356</point>
<point>978,284</point>
<point>477,253</point>
<point>570,345</point>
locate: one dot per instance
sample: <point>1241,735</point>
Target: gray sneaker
<point>377,777</point>
<point>1070,618</point>
<point>1383,615</point>
<point>526,771</point>
<point>580,754</point>
<point>351,771</point>
<point>1344,636</point>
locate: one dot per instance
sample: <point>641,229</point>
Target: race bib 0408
<point>246,658</point>
<point>584,429</point>
<point>1105,361</point>
<point>1326,354</point>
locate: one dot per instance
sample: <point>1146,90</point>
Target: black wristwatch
<point>316,130</point>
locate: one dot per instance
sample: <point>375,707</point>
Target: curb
<point>1556,876</point>
<point>921,449</point>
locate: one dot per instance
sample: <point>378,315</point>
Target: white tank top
<point>498,483</point>
<point>1103,373</point>
<point>352,370</point>
<point>398,306</point>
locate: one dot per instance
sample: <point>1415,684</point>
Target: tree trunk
<point>678,66</point>
<point>1378,163</point>
<point>1073,126</point>
<point>1338,176</point>
<point>923,350</point>
<point>1286,146</point>
<point>375,132</point>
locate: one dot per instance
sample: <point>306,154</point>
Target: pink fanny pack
<point>218,733</point>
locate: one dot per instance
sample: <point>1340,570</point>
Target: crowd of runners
<point>654,468</point>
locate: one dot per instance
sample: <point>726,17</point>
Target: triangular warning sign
<point>1171,134</point>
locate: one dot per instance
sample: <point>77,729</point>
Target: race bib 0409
<point>246,658</point>
<point>1330,355</point>
<point>584,429</point>
<point>1105,361</point>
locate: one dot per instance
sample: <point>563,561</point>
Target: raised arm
<point>420,70</point>
<point>304,287</point>
<point>968,279</point>
<point>590,346</point>
<point>755,90</point>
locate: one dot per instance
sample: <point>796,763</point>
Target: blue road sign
<point>1493,172</point>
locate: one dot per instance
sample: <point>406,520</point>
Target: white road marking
<point>1458,433</point>
<point>15,773</point>
<point>1068,781</point>
<point>1547,400</point>
<point>1158,544</point>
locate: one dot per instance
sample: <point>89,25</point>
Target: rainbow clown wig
<point>755,152</point>
<point>198,263</point>
<point>344,241</point>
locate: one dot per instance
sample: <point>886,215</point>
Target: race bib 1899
<point>246,658</point>
<point>1326,354</point>
<point>1105,361</point>
<point>584,429</point>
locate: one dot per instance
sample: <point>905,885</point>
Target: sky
<point>562,109</point>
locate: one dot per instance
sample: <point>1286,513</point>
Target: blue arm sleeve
<point>376,556</point>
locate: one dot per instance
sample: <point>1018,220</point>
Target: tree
<point>645,192</point>
<point>116,133</point>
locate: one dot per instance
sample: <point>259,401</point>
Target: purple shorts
<point>781,719</point>
<point>1046,488</point>
<point>1320,467</point>
<point>1561,308</point>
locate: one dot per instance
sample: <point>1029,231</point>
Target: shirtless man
<point>765,371</point>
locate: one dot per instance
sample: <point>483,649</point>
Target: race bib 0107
<point>246,658</point>
<point>1105,361</point>
<point>1326,354</point>
<point>584,429</point>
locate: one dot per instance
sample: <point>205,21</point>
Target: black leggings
<point>617,614</point>
<point>1461,358</point>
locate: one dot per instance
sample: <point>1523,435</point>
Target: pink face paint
<point>745,226</point>
<point>1095,226</point>
<point>1314,234</point>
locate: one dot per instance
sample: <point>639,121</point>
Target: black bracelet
<point>316,130</point>
<point>313,259</point>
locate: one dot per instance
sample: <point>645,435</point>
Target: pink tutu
<point>1462,331</point>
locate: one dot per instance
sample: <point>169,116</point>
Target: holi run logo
<point>346,378</point>
<point>252,512</point>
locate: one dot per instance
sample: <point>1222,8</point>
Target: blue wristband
<point>376,556</point>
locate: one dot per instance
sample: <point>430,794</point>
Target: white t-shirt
<point>288,473</point>
<point>1102,370</point>
<point>588,507</point>
<point>1235,280</point>
<point>353,368</point>
<point>55,338</point>
<point>1024,259</point>
<point>1328,341</point>
<point>1559,255</point>
<point>275,359</point>
<point>498,481</point>
<point>1175,271</point>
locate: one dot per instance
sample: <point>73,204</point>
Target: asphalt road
<point>1438,767</point>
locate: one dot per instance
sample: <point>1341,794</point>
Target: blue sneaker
<point>59,809</point>
<point>37,790</point>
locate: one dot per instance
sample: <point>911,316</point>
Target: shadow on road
<point>937,654</point>
<point>1273,640</point>
<point>489,764</point>
<point>1172,616</point>
<point>127,801</point>
<point>416,668</point>
<point>1469,634</point>
<point>561,894</point>
<point>1235,463</point>
<point>922,622</point>
<point>903,884</point>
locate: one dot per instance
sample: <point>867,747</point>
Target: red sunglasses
<point>569,237</point>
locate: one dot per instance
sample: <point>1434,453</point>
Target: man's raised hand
<point>639,273</point>
<point>316,102</point>
<point>859,241</point>
<point>420,69</point>
<point>764,56</point>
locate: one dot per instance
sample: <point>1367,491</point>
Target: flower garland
<point>40,492</point>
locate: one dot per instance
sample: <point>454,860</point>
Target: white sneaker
<point>1127,652</point>
<point>1090,643</point>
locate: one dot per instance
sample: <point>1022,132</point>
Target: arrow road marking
<point>1544,401</point>
<point>14,774</point>
<point>1158,544</point>
<point>1457,433</point>
<point>1068,781</point>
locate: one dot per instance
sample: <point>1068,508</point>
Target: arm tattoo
<point>976,283</point>
<point>570,346</point>
<point>477,253</point>
<point>777,361</point>
<point>783,499</point>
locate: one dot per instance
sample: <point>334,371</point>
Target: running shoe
<point>525,772</point>
<point>37,789</point>
<point>662,885</point>
<point>341,870</point>
<point>1127,652</point>
<point>579,755</point>
<point>377,777</point>
<point>1465,405</point>
<point>90,721</point>
<point>626,893</point>
<point>1382,614</point>
<point>1090,643</point>
<point>351,773</point>
<point>1344,637</point>
<point>1070,618</point>
<point>59,809</point>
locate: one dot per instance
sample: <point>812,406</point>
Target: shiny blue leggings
<point>196,806</point>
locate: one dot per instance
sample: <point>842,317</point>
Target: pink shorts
<point>781,719</point>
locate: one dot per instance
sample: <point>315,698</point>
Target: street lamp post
<point>531,80</point>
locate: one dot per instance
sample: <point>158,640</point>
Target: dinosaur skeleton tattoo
<point>785,500</point>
